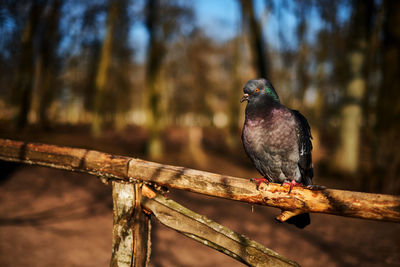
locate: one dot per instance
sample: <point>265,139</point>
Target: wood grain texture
<point>300,200</point>
<point>131,227</point>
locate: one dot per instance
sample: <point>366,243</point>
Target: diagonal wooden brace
<point>210,233</point>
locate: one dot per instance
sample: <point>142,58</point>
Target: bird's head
<point>259,91</point>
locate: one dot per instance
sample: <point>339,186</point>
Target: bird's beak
<point>244,98</point>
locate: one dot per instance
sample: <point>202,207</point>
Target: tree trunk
<point>156,52</point>
<point>347,154</point>
<point>49,42</point>
<point>103,70</point>
<point>302,62</point>
<point>258,47</point>
<point>386,156</point>
<point>234,104</point>
<point>22,92</point>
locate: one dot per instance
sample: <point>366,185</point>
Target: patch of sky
<point>138,35</point>
<point>219,19</point>
<point>344,12</point>
<point>139,38</point>
<point>7,26</point>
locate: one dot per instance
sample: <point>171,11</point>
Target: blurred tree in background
<point>164,20</point>
<point>386,156</point>
<point>24,81</point>
<point>165,67</point>
<point>347,153</point>
<point>110,84</point>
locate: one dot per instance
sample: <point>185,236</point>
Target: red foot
<point>259,181</point>
<point>291,184</point>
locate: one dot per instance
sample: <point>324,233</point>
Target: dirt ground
<point>51,217</point>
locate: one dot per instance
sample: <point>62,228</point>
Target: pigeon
<point>277,140</point>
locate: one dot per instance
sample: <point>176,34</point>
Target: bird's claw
<point>291,184</point>
<point>259,181</point>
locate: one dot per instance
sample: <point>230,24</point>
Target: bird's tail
<point>300,221</point>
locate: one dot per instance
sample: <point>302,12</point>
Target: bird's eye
<point>257,90</point>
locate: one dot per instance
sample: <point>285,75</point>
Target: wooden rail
<point>131,196</point>
<point>332,201</point>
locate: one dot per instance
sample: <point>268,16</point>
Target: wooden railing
<point>135,200</point>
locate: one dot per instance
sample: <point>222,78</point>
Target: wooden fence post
<point>131,227</point>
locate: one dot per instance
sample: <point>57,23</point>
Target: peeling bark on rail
<point>338,202</point>
<point>210,233</point>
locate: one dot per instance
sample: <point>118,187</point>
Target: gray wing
<point>305,148</point>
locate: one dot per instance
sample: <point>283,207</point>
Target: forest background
<point>179,66</point>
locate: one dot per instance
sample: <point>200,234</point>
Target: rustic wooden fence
<point>135,200</point>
